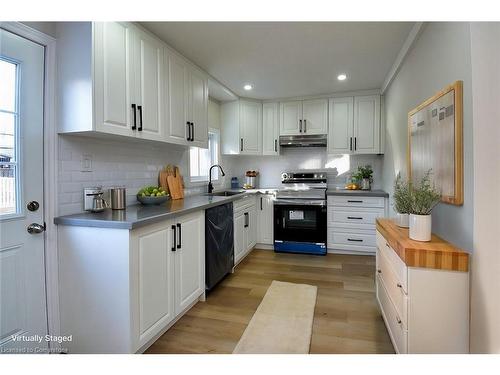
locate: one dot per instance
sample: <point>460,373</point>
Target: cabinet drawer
<point>353,201</point>
<point>393,286</point>
<point>244,202</point>
<point>394,324</point>
<point>354,216</point>
<point>394,261</point>
<point>352,238</point>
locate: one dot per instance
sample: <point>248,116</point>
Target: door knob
<point>33,206</point>
<point>35,228</point>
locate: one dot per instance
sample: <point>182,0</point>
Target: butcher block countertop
<point>436,254</point>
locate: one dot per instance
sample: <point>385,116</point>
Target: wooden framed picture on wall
<point>435,141</point>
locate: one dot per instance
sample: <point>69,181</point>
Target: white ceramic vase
<point>420,227</point>
<point>365,184</point>
<point>402,220</point>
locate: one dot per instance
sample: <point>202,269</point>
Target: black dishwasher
<point>219,243</point>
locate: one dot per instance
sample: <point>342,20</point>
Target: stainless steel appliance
<point>300,213</point>
<point>118,198</point>
<point>93,199</point>
<point>317,140</point>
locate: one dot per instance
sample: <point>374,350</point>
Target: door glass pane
<point>8,88</point>
<point>8,154</point>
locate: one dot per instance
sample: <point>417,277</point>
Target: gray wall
<point>440,56</point>
<point>48,28</point>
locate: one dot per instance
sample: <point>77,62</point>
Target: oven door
<point>300,226</point>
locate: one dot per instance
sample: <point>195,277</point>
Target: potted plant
<point>364,176</point>
<point>402,201</point>
<point>423,199</point>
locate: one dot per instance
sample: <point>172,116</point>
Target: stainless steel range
<point>300,213</point>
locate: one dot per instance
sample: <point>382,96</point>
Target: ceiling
<point>288,59</point>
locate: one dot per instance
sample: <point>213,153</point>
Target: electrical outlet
<point>86,162</point>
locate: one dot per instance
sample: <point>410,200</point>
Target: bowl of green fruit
<point>150,195</point>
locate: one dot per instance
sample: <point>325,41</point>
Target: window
<point>200,159</point>
<point>9,168</point>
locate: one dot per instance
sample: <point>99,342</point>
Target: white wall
<point>440,57</point>
<point>485,274</point>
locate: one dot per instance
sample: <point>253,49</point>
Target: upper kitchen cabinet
<point>115,78</point>
<point>270,129</point>
<point>303,117</point>
<point>241,128</point>
<point>354,125</point>
<point>187,103</point>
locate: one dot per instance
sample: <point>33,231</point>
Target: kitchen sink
<point>225,193</point>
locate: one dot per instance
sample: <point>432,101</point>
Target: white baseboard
<point>262,246</point>
<point>349,252</point>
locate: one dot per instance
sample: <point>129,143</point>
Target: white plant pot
<point>402,220</point>
<point>365,184</point>
<point>420,227</point>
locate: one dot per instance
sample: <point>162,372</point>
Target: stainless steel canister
<point>118,198</point>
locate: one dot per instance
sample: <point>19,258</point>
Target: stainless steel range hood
<point>303,140</point>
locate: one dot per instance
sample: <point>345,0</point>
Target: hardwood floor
<point>346,317</point>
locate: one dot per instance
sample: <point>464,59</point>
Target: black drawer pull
<point>241,144</point>
<point>175,237</point>
<point>350,143</point>
<point>353,201</point>
<point>246,220</point>
<point>192,132</point>
<point>275,145</point>
<point>354,218</point>
<point>180,238</point>
<point>139,108</point>
<point>135,117</point>
<point>354,240</point>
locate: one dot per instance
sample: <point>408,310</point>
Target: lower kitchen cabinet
<point>245,227</point>
<point>121,289</point>
<point>265,224</point>
<point>351,223</point>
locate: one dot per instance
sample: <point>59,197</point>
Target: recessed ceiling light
<point>248,87</point>
<point>341,77</point>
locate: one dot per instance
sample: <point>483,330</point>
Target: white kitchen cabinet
<point>341,122</point>
<point>241,128</point>
<point>265,212</point>
<point>304,117</point>
<point>354,125</point>
<point>189,258</point>
<point>367,124</point>
<point>121,289</point>
<point>245,227</point>
<point>115,78</point>
<point>270,129</point>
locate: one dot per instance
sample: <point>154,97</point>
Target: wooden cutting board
<point>162,177</point>
<point>175,185</point>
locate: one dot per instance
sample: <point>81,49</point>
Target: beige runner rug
<point>282,323</point>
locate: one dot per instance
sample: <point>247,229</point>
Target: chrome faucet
<point>210,186</point>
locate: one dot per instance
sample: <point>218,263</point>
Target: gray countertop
<point>358,193</point>
<point>138,215</point>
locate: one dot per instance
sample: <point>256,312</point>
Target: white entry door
<point>23,312</point>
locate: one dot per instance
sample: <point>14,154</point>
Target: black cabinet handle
<point>135,118</point>
<point>355,143</point>
<point>350,143</point>
<point>354,240</point>
<point>246,220</point>
<point>188,124</point>
<point>351,201</point>
<point>300,126</point>
<point>261,203</point>
<point>192,131</point>
<point>241,144</point>
<point>354,218</point>
<point>175,237</point>
<point>275,145</point>
<point>139,107</point>
<point>305,126</point>
<point>180,234</point>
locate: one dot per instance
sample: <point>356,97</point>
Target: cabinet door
<point>114,77</point>
<point>251,228</point>
<point>251,127</point>
<point>189,260</point>
<point>340,133</point>
<point>154,268</point>
<point>367,124</point>
<point>315,116</point>
<point>178,80</point>
<point>239,236</point>
<point>150,87</point>
<point>265,220</point>
<point>290,118</point>
<point>198,108</point>
<point>270,129</point>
